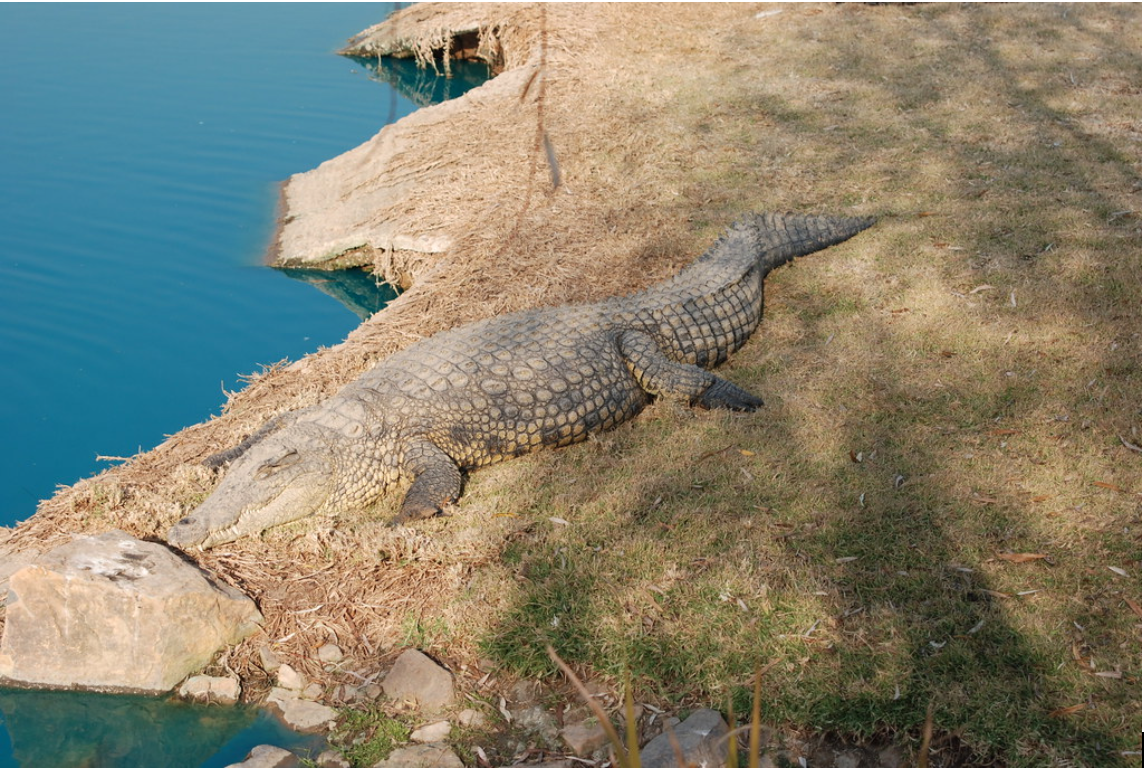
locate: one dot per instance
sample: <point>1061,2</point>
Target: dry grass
<point>957,383</point>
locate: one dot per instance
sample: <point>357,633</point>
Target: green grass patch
<point>365,737</point>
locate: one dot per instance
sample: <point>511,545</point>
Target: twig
<point>927,734</point>
<point>597,711</point>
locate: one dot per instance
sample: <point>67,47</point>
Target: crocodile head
<point>284,477</point>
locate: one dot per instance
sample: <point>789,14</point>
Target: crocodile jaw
<point>258,492</point>
<point>214,523</point>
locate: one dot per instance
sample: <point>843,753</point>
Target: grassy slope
<point>979,351</point>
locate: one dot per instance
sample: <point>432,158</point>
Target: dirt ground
<point>953,423</point>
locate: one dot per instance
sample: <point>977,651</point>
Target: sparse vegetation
<point>365,737</point>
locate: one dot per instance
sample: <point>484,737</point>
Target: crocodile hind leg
<point>436,481</point>
<point>660,376</point>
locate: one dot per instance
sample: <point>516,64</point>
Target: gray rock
<point>330,653</point>
<point>539,722</point>
<point>303,715</point>
<point>472,718</point>
<point>431,733</point>
<point>211,689</point>
<point>585,737</point>
<point>289,679</point>
<point>426,755</point>
<point>269,660</point>
<point>269,756</point>
<point>847,759</point>
<point>109,612</point>
<point>892,756</point>
<point>416,677</point>
<point>313,691</point>
<point>331,758</point>
<point>701,738</point>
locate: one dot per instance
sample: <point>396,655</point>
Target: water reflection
<point>422,85</point>
<point>357,289</point>
<point>70,729</point>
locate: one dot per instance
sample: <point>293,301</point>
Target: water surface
<point>140,152</point>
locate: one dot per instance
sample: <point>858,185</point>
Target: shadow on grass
<point>890,562</point>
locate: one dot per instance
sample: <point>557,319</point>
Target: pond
<point>140,154</point>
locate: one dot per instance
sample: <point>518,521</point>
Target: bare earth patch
<point>940,503</point>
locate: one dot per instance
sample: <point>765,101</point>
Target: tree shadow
<point>950,417</point>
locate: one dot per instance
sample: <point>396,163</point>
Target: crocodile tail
<point>779,238</point>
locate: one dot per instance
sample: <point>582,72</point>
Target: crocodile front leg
<point>436,481</point>
<point>660,376</point>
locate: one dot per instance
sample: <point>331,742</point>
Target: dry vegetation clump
<point>940,503</point>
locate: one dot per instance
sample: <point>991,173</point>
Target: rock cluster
<point>294,700</point>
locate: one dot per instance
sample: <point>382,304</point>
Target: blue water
<point>140,151</point>
<point>140,148</point>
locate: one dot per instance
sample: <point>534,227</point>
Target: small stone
<point>347,693</point>
<point>269,756</point>
<point>891,756</point>
<point>431,733</point>
<point>535,719</point>
<point>371,692</point>
<point>415,676</point>
<point>211,689</point>
<point>426,755</point>
<point>701,738</point>
<point>313,691</point>
<point>270,662</point>
<point>585,737</point>
<point>526,692</point>
<point>289,679</point>
<point>472,718</point>
<point>303,715</point>
<point>331,758</point>
<point>330,653</point>
<point>847,759</point>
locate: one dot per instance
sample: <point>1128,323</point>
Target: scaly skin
<point>502,387</point>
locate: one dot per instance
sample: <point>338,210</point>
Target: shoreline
<point>656,163</point>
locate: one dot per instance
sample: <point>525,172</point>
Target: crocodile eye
<point>272,467</point>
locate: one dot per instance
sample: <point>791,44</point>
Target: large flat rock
<point>112,613</point>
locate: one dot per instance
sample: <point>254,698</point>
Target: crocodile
<point>495,389</point>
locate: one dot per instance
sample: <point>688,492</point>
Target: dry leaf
<point>981,288</point>
<point>1119,571</point>
<point>746,453</point>
<point>1004,432</point>
<point>845,559</point>
<point>1135,607</point>
<point>1106,485</point>
<point>558,520</point>
<point>1040,498</point>
<point>1107,674</point>
<point>1021,558</point>
<point>1079,657</point>
<point>995,594</point>
<point>1064,712</point>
